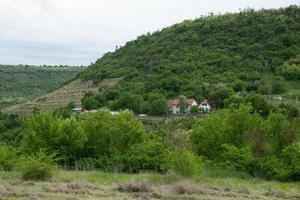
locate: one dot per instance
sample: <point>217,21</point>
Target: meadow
<point>212,184</point>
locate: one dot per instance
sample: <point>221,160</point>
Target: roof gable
<point>175,102</point>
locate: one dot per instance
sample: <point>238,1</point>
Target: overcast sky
<point>77,32</point>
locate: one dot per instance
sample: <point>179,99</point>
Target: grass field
<point>99,185</point>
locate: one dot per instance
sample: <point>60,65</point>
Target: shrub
<point>185,163</point>
<point>194,109</point>
<point>7,157</point>
<point>150,155</point>
<point>265,89</point>
<point>38,167</point>
<point>271,168</point>
<point>236,158</point>
<point>291,155</point>
<point>158,106</point>
<point>278,87</point>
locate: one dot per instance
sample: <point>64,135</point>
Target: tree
<point>194,109</point>
<point>43,131</point>
<point>218,96</point>
<point>265,89</point>
<point>278,87</point>
<point>90,103</point>
<point>129,101</point>
<point>259,104</point>
<point>159,106</point>
<point>111,137</point>
<point>183,104</point>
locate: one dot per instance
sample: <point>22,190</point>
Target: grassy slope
<point>99,185</point>
<point>19,83</point>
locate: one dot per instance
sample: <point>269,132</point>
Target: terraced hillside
<point>71,92</point>
<point>20,83</point>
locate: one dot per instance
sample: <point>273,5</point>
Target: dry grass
<point>188,187</point>
<point>135,186</point>
<point>75,187</point>
<point>97,185</point>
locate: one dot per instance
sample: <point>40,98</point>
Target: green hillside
<point>211,57</point>
<point>22,83</point>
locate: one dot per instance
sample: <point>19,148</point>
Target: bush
<point>265,89</point>
<point>236,158</point>
<point>39,167</point>
<point>7,157</point>
<point>185,163</point>
<point>278,87</point>
<point>271,168</point>
<point>291,155</point>
<point>150,155</point>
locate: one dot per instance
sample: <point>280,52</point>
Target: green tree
<point>218,96</point>
<point>259,104</point>
<point>183,104</point>
<point>90,103</point>
<point>63,137</point>
<point>158,106</point>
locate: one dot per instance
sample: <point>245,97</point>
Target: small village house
<point>204,106</point>
<point>175,105</point>
<point>78,110</point>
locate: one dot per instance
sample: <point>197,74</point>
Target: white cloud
<point>79,31</point>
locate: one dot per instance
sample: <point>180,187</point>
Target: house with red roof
<point>175,105</point>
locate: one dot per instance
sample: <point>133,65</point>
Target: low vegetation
<point>236,138</point>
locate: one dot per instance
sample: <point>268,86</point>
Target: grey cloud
<point>79,31</point>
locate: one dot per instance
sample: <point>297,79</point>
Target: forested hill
<point>251,51</point>
<point>19,83</point>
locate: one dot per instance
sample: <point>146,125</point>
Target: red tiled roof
<point>175,102</point>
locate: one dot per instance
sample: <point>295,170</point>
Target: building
<point>77,110</point>
<point>175,107</point>
<point>204,106</point>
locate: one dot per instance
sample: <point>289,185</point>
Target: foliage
<point>291,156</point>
<point>7,157</point>
<point>10,132</point>
<point>39,167</point>
<point>183,104</point>
<point>217,97</point>
<point>54,135</point>
<point>194,109</point>
<point>240,159</point>
<point>240,139</point>
<point>64,112</point>
<point>259,104</point>
<point>211,57</point>
<point>185,163</point>
<point>291,68</point>
<point>158,106</point>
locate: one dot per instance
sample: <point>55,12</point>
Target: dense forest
<point>214,57</point>
<point>23,82</point>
